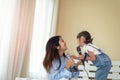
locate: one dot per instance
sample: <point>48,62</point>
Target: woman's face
<point>81,41</point>
<point>62,44</point>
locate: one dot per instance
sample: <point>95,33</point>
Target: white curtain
<point>44,27</point>
<point>16,28</point>
<point>7,9</point>
<point>16,22</point>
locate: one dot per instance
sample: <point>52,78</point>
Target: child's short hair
<point>87,36</point>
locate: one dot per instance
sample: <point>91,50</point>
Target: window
<point>44,27</point>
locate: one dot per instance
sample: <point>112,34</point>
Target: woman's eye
<point>61,40</point>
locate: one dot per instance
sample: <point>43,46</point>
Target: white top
<point>88,47</point>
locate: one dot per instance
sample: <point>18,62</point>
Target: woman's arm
<point>56,74</point>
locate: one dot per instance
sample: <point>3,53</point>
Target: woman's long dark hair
<point>87,36</point>
<point>51,53</point>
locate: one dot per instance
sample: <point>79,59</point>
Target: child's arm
<point>74,57</point>
<point>91,56</point>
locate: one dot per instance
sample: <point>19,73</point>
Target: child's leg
<point>103,71</point>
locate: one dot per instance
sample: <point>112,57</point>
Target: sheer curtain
<point>16,23</point>
<point>7,9</point>
<point>21,36</point>
<point>16,28</point>
<point>44,27</point>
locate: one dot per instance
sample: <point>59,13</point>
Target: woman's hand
<point>76,66</point>
<point>78,63</point>
<point>69,63</point>
<point>78,58</point>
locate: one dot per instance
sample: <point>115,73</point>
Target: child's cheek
<point>78,42</point>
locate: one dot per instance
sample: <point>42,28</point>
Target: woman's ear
<point>58,47</point>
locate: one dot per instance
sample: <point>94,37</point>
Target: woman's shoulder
<point>56,63</point>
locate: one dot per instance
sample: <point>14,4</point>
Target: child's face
<point>62,44</point>
<point>81,41</point>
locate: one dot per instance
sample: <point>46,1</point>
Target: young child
<point>56,63</point>
<point>94,54</point>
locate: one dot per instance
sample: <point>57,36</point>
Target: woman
<point>56,63</point>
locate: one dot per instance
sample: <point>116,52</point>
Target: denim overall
<point>103,64</point>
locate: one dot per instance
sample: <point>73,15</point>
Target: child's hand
<point>81,57</point>
<point>74,57</point>
<point>69,63</point>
